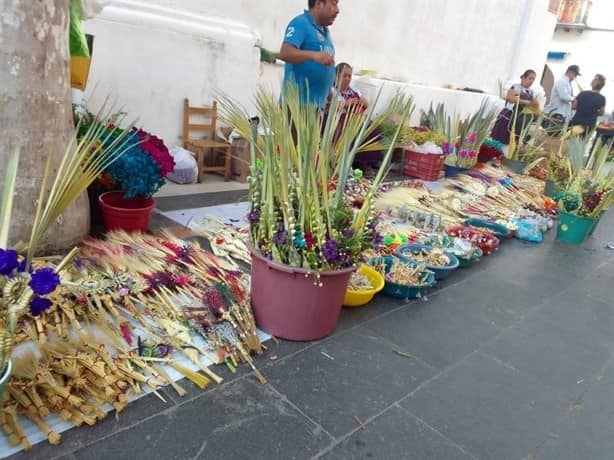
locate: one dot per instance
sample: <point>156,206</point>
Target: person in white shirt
<point>559,107</point>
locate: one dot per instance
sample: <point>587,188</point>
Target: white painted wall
<point>592,50</point>
<point>463,42</point>
<point>150,58</point>
<point>146,57</point>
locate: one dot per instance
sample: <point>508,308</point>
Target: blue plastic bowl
<point>401,291</point>
<point>498,230</point>
<point>408,250</point>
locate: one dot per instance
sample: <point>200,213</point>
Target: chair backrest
<point>205,123</point>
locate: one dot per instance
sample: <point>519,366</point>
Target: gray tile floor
<point>512,359</point>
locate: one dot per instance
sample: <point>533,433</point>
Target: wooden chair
<point>200,145</point>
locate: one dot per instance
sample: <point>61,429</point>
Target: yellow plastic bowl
<point>358,298</point>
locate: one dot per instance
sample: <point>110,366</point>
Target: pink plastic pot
<point>129,214</point>
<point>288,304</point>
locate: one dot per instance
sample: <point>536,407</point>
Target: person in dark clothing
<point>589,105</point>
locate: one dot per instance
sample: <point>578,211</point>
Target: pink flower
<point>463,154</point>
<point>472,138</point>
<point>472,154</point>
<point>457,145</point>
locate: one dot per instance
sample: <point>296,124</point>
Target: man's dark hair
<point>599,82</point>
<point>312,3</point>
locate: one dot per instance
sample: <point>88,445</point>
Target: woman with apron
<point>518,97</point>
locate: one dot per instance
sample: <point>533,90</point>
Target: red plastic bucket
<point>287,303</point>
<point>129,214</point>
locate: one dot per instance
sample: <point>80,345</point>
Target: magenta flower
<point>472,138</point>
<point>463,154</point>
<point>472,154</point>
<point>457,145</point>
<point>158,151</point>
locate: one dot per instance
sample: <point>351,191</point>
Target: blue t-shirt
<point>313,79</point>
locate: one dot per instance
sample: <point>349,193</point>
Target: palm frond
<point>8,194</point>
<point>83,160</point>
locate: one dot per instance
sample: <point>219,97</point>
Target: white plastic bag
<point>186,168</point>
<point>91,8</point>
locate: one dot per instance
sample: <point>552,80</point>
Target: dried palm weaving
<point>132,309</point>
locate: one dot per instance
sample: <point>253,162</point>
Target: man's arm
<point>293,55</point>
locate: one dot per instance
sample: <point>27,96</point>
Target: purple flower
<point>457,145</point>
<point>39,305</point>
<point>253,216</point>
<point>280,237</point>
<point>472,154</point>
<point>472,138</point>
<point>446,147</point>
<point>463,154</point>
<point>44,281</point>
<point>348,233</point>
<point>330,252</point>
<point>8,261</point>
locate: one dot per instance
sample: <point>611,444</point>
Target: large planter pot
<point>517,166</point>
<point>288,304</point>
<point>573,229</point>
<point>595,223</point>
<point>96,219</point>
<point>129,214</point>
<point>4,380</point>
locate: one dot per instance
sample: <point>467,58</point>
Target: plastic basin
<point>498,230</point>
<point>401,291</point>
<point>363,297</point>
<point>441,272</point>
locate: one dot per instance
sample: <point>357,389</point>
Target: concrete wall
<point>145,56</point>
<point>592,50</point>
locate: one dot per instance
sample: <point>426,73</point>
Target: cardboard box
<point>239,164</point>
<point>552,144</point>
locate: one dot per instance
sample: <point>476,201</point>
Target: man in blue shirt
<point>309,53</point>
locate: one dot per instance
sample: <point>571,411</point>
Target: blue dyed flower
<point>44,281</point>
<point>21,267</point>
<point>299,240</point>
<point>38,305</point>
<point>136,171</point>
<point>8,261</point>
